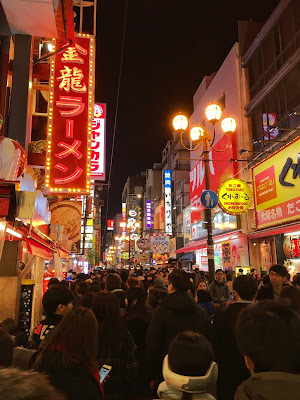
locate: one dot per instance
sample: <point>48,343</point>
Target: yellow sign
<point>276,183</point>
<point>235,196</point>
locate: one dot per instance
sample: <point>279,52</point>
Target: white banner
<point>160,243</point>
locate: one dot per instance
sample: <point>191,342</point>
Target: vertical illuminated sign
<point>98,143</point>
<point>124,219</point>
<point>168,202</point>
<point>110,224</point>
<point>148,214</point>
<point>70,114</point>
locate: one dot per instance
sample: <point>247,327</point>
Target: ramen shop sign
<point>70,114</point>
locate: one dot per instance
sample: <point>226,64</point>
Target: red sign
<point>265,185</point>
<point>110,224</point>
<point>70,114</point>
<point>98,142</point>
<point>219,170</point>
<point>278,213</point>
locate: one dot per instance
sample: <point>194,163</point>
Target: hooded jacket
<point>177,313</point>
<point>219,290</point>
<point>175,385</point>
<point>270,386</point>
<point>44,327</point>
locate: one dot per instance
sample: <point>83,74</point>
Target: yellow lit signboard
<point>277,186</point>
<point>235,196</point>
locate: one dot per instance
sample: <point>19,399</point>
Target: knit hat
<point>113,282</point>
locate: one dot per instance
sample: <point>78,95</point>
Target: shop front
<point>277,210</point>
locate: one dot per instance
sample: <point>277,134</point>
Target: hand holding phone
<point>104,371</point>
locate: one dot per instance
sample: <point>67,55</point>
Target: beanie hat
<point>279,269</point>
<point>113,282</point>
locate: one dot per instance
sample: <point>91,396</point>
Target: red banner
<point>70,114</point>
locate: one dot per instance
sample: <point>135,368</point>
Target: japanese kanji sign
<point>98,143</point>
<point>277,186</point>
<point>168,201</point>
<point>160,242</point>
<point>70,114</point>
<point>235,196</point>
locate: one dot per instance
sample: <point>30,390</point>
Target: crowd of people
<point>164,334</point>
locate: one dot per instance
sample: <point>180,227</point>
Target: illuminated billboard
<point>70,114</point>
<point>168,201</point>
<point>98,143</point>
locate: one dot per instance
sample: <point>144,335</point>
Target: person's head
<point>244,288</point>
<point>82,288</point>
<point>290,296</point>
<point>190,354</point>
<point>261,330</point>
<point>113,282</point>
<point>93,275</point>
<point>159,282</point>
<point>219,274</point>
<point>64,283</point>
<point>95,286</point>
<point>6,348</point>
<point>228,277</point>
<point>52,282</point>
<point>178,281</point>
<point>203,296</point>
<point>136,299</point>
<point>296,281</point>
<point>202,284</point>
<point>74,275</point>
<point>57,300</point>
<point>241,271</point>
<point>131,282</point>
<point>253,271</point>
<point>21,266</point>
<point>86,300</point>
<point>277,273</point>
<point>124,275</point>
<point>77,335</point>
<point>26,385</point>
<point>266,280</point>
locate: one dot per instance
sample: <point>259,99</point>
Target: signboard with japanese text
<point>110,224</point>
<point>160,243</point>
<point>187,231</point>
<point>124,219</point>
<point>168,201</point>
<point>219,170</point>
<point>277,187</point>
<point>70,114</point>
<point>235,196</point>
<point>148,213</point>
<point>98,143</point>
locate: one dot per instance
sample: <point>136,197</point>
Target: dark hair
<point>64,283</point>
<point>203,296</point>
<point>241,270</point>
<point>55,296</point>
<point>74,273</point>
<point>228,276</point>
<point>180,280</point>
<point>113,282</point>
<point>192,288</point>
<point>86,300</point>
<point>52,282</point>
<point>296,279</point>
<point>290,296</point>
<point>156,296</point>
<point>245,286</point>
<point>253,270</point>
<point>132,282</point>
<point>124,275</point>
<point>219,270</point>
<point>82,288</point>
<point>138,294</point>
<point>279,269</point>
<point>106,308</point>
<point>95,287</point>
<point>190,354</point>
<point>202,280</point>
<point>263,327</point>
<point>77,335</point>
<point>6,348</point>
<point>26,385</point>
<point>266,280</point>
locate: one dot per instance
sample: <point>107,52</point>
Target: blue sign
<point>167,178</point>
<point>209,199</point>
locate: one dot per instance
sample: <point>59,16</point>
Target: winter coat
<point>266,292</point>
<point>231,364</point>
<point>156,296</point>
<point>205,301</point>
<point>177,313</point>
<point>121,297</point>
<point>219,290</point>
<point>175,385</point>
<point>44,327</point>
<point>270,386</point>
<point>76,382</point>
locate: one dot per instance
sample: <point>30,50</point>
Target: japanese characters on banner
<point>160,243</point>
<point>235,196</point>
<point>124,219</point>
<point>98,143</point>
<point>70,114</point>
<point>219,170</point>
<point>168,201</point>
<point>277,187</point>
<point>148,213</point>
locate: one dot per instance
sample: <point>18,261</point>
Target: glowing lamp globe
<point>180,123</point>
<point>213,113</point>
<point>228,125</point>
<point>196,133</point>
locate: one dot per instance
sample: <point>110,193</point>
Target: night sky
<point>170,45</point>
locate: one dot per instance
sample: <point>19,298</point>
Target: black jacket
<point>266,292</point>
<point>177,313</point>
<point>75,382</point>
<point>44,327</point>
<point>232,370</point>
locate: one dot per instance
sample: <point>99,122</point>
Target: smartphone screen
<point>104,371</point>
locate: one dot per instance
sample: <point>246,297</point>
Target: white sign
<point>160,243</point>
<point>168,201</point>
<point>98,143</point>
<point>143,244</point>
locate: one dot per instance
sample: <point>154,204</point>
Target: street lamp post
<point>201,136</point>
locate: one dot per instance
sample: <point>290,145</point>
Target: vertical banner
<point>168,201</point>
<point>70,114</point>
<point>124,219</point>
<point>148,214</point>
<point>98,142</point>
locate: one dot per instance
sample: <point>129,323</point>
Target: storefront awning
<point>63,253</point>
<point>38,249</point>
<point>187,257</point>
<point>275,231</point>
<point>203,243</point>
